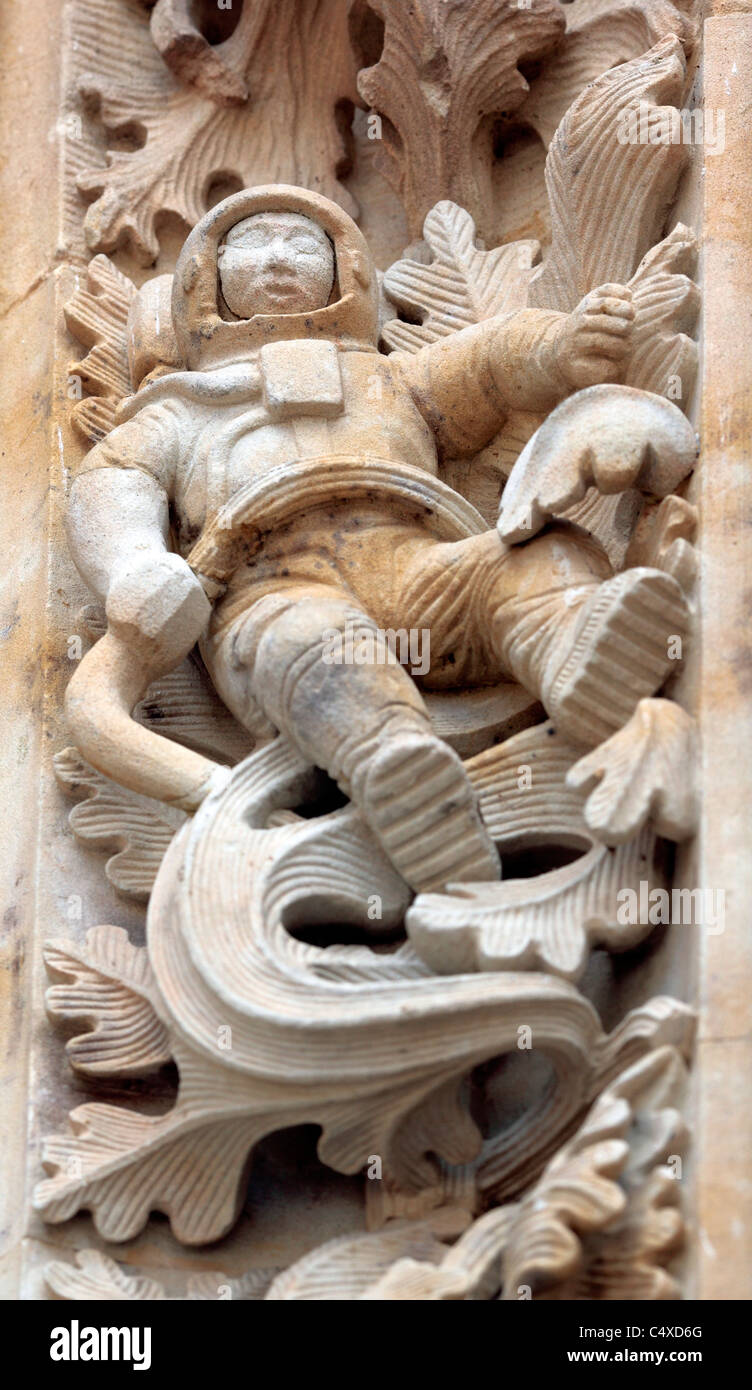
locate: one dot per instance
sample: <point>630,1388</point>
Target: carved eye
<point>249,241</point>
<point>307,245</point>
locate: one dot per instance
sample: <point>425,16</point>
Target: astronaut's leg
<point>550,613</point>
<point>364,723</point>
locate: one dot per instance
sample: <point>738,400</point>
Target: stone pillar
<point>723,1068</point>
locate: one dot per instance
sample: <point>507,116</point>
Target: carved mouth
<point>285,285</point>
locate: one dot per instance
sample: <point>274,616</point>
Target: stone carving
<point>638,776</point>
<point>296,382</point>
<point>445,69</point>
<point>552,921</point>
<point>185,707</point>
<point>460,286</point>
<point>228,966</point>
<point>194,97</point>
<point>98,317</point>
<point>600,35</point>
<point>586,147</point>
<point>288,486</point>
<point>460,283</point>
<point>110,983</point>
<point>601,1222</point>
<point>571,351</point>
<point>112,818</point>
<point>97,1277</point>
<point>207,112</point>
<point>610,438</point>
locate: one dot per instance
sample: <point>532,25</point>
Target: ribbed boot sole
<point>421,807</point>
<point>620,656</point>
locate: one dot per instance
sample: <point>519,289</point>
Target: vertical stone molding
<point>723,1065</point>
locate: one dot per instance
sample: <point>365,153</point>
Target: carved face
<point>276,263</point>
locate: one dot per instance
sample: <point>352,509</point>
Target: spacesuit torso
<point>206,437</point>
<point>277,389</point>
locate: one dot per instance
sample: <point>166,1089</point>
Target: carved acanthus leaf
<point>111,817</point>
<point>604,1218</point>
<point>462,284</point>
<point>666,304</point>
<point>122,1166</point>
<point>345,1268</point>
<point>601,1222</point>
<point>470,1269</point>
<point>447,66</point>
<point>664,538</point>
<point>97,316</point>
<point>600,240</point>
<point>645,772</point>
<point>108,985</point>
<point>549,921</point>
<point>189,136</point>
<point>97,1277</point>
<point>600,35</point>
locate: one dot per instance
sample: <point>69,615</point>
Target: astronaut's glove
<point>595,340</point>
<point>157,607</point>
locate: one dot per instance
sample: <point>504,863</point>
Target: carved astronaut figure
<point>275,314</point>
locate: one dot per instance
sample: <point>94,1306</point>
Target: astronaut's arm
<point>118,532</point>
<point>466,385</point>
<point>117,517</point>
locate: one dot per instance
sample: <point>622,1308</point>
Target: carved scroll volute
<point>446,66</point>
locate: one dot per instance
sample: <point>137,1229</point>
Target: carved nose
<point>278,256</point>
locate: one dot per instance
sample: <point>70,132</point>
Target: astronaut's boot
<point>615,649</point>
<point>415,795</point>
<point>368,727</point>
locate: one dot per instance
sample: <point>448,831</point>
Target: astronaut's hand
<point>596,338</point>
<point>157,607</point>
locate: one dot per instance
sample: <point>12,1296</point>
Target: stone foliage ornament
<point>446,68</point>
<point>602,1221</point>
<point>601,35</point>
<point>329,819</point>
<point>207,110</point>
